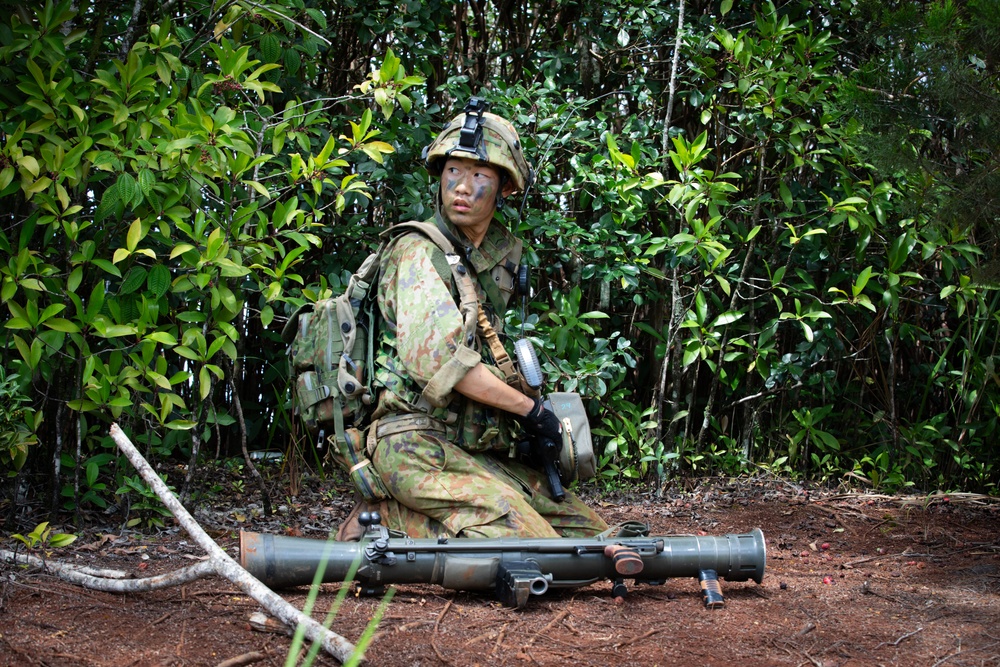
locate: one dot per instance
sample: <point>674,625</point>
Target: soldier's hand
<point>541,423</point>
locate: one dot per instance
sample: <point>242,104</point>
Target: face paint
<point>484,191</point>
<point>468,195</point>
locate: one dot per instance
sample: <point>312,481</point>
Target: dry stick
<point>245,659</point>
<point>434,632</point>
<point>812,659</point>
<point>960,651</point>
<point>411,626</point>
<point>896,643</point>
<point>499,641</point>
<point>225,566</point>
<point>12,557</point>
<point>551,624</point>
<point>230,375</point>
<point>645,635</point>
<point>904,554</point>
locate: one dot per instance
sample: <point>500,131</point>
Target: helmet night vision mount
<point>478,134</point>
<point>471,136</point>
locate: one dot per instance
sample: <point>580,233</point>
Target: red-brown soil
<point>903,581</point>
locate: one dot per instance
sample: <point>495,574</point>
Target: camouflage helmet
<point>481,135</point>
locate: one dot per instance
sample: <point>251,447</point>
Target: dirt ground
<point>851,579</point>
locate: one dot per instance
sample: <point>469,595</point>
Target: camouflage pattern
<point>462,481</point>
<point>441,489</point>
<point>421,330</point>
<point>500,146</point>
<point>315,347</point>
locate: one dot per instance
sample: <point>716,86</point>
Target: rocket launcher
<point>512,567</point>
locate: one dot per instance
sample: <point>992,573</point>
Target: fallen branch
<point>905,554</point>
<point>83,577</point>
<point>435,630</point>
<point>225,566</point>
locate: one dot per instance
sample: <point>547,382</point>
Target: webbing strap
<point>311,396</point>
<point>503,361</point>
<point>485,279</point>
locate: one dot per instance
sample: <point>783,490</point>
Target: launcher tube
<point>474,564</point>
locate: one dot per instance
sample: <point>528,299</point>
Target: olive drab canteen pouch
<point>331,355</point>
<point>576,460</point>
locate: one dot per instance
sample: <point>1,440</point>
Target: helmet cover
<point>484,136</point>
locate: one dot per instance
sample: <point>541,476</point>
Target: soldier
<point>446,419</point>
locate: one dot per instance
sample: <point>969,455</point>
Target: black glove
<point>543,427</point>
<point>542,424</point>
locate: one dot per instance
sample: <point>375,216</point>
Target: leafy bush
<point>17,424</point>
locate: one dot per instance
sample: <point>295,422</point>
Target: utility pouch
<point>576,460</point>
<point>314,400</point>
<point>350,452</point>
<point>324,340</point>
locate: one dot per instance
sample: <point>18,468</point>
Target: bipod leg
<point>368,590</point>
<point>619,590</point>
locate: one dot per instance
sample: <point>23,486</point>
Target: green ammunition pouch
<point>576,460</point>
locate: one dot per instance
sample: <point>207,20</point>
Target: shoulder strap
<point>428,229</point>
<point>511,375</point>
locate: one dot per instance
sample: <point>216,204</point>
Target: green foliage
<point>93,491</point>
<point>627,431</point>
<point>42,537</point>
<point>159,210</point>
<point>17,424</point>
<point>796,272</point>
<point>811,444</point>
<point>143,502</point>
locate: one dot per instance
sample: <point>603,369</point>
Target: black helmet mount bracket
<point>471,136</point>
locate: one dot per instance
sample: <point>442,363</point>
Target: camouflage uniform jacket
<point>422,327</point>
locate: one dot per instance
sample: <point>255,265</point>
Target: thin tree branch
<point>225,566</point>
<point>673,75</point>
<point>290,20</point>
<point>130,30</point>
<point>101,582</point>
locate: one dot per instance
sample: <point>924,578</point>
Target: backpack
<point>331,357</point>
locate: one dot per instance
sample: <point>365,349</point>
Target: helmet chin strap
<point>503,183</point>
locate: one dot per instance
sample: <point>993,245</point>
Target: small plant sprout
<point>43,537</point>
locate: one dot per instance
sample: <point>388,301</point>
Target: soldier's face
<point>469,194</point>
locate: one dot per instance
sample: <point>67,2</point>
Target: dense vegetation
<point>763,235</point>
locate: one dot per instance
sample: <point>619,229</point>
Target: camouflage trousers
<point>439,488</point>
